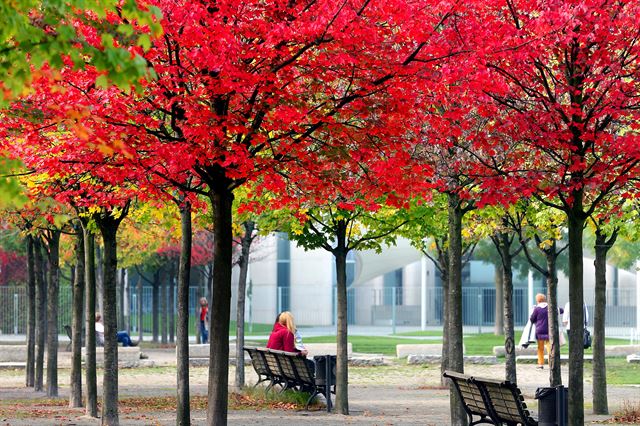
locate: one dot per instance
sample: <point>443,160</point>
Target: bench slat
<point>500,401</point>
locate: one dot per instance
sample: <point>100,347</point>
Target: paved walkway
<point>395,394</point>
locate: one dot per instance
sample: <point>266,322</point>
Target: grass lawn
<point>619,372</point>
<point>475,344</point>
<point>256,328</point>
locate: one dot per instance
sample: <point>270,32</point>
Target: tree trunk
<point>75,396</point>
<point>99,280</point>
<point>576,222</point>
<point>41,324</point>
<point>31,314</point>
<point>600,402</point>
<point>155,299</point>
<point>172,301</point>
<point>342,372</point>
<point>163,307</point>
<point>555,376</point>
<point>507,285</point>
<point>121,295</point>
<point>247,239</point>
<point>498,328</point>
<point>183,411</point>
<point>109,228</point>
<point>444,365</point>
<point>126,306</point>
<point>221,203</point>
<point>90,325</point>
<point>456,360</point>
<point>53,259</point>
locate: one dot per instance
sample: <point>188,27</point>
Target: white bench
<point>528,359</point>
<point>531,350</point>
<point>613,350</point>
<point>427,349</point>
<point>437,359</point>
<point>326,349</point>
<point>18,353</point>
<point>621,350</point>
<point>13,353</point>
<point>126,355</point>
<point>202,350</point>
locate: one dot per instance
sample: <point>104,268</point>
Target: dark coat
<point>540,317</point>
<point>282,339</point>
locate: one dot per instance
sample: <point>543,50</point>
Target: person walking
<point>204,320</point>
<point>566,319</point>
<point>540,318</point>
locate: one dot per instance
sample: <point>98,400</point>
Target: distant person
<point>122,336</point>
<point>540,318</point>
<point>204,320</point>
<point>566,317</point>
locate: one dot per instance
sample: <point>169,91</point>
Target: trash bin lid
<point>545,392</point>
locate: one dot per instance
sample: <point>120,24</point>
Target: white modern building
<point>400,286</point>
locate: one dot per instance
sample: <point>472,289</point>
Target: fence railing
<point>366,306</point>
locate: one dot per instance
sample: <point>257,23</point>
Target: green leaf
<point>144,41</point>
<point>102,81</point>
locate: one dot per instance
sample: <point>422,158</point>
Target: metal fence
<point>367,306</point>
<point>394,306</point>
<point>13,309</point>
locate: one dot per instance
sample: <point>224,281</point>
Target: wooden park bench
<point>496,402</point>
<point>290,370</point>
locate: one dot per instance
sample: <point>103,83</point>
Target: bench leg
<point>260,381</point>
<point>271,384</point>
<point>287,385</point>
<point>313,395</point>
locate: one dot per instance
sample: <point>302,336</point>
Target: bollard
<point>480,312</point>
<point>562,405</point>
<point>325,367</point>
<point>15,313</point>
<point>393,310</point>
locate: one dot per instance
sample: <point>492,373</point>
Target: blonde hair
<point>540,298</point>
<point>286,319</point>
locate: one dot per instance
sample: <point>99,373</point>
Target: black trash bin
<point>552,406</point>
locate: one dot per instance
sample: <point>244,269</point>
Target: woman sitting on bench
<point>122,336</point>
<point>284,336</point>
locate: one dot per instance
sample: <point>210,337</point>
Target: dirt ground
<point>389,395</point>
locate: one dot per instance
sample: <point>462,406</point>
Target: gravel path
<point>389,395</point>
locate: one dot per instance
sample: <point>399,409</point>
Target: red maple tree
<point>563,76</point>
<point>244,88</point>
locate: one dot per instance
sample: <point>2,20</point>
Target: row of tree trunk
<point>43,272</point>
<point>43,288</point>
<point>450,263</point>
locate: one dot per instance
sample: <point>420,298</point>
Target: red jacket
<point>282,339</point>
